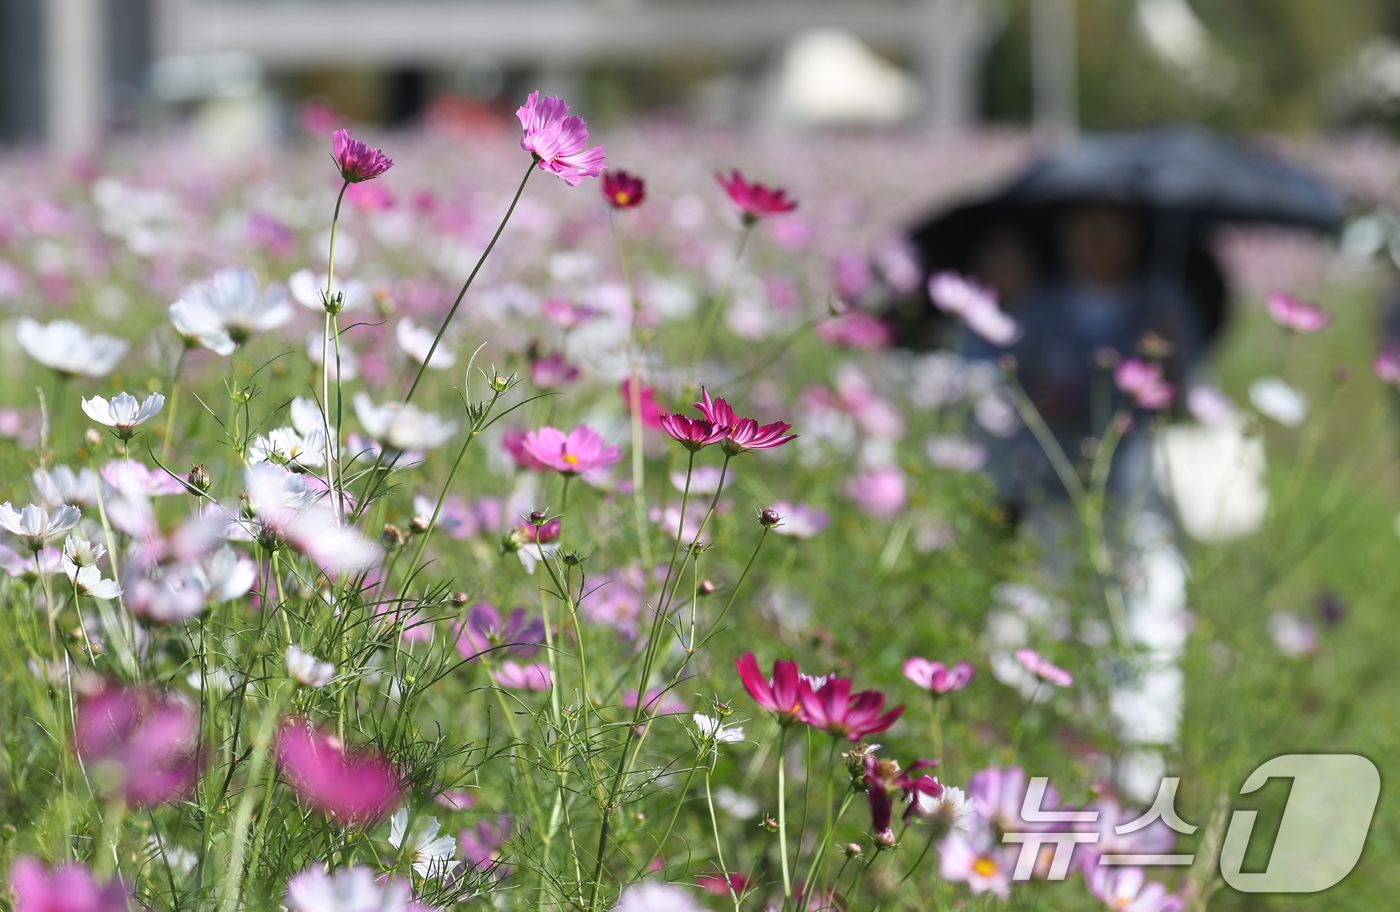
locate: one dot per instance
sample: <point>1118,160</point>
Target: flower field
<point>502,520</point>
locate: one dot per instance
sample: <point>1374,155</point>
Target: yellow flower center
<point>571,459</point>
<point>985,867</point>
<point>622,197</point>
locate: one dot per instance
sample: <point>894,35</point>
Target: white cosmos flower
<point>656,897</point>
<point>710,727</point>
<point>82,552</point>
<point>353,889</point>
<point>402,427</point>
<point>123,412</point>
<point>417,341</point>
<point>67,348</point>
<point>308,669</point>
<point>1279,401</point>
<point>951,807</point>
<point>433,855</point>
<point>61,485</point>
<point>309,289</point>
<point>284,446</point>
<point>88,580</point>
<point>36,525</point>
<point>227,574</point>
<point>224,311</point>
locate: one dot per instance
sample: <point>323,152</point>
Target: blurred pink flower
<point>370,197</point>
<point>552,372</point>
<point>623,190</point>
<point>357,161</point>
<point>799,520</point>
<point>483,631</point>
<point>646,400</point>
<point>998,796</point>
<point>833,709</point>
<point>855,329</point>
<point>456,799</point>
<point>879,492</point>
<point>958,454</point>
<point>534,676</point>
<point>139,746</point>
<point>1387,363</point>
<point>1044,669</point>
<point>778,694</point>
<point>976,859</point>
<point>1296,314</point>
<point>936,677</point>
<point>481,845</point>
<point>659,702</point>
<point>513,442</point>
<point>566,314</point>
<point>557,139</point>
<point>581,450</point>
<point>1125,889</point>
<point>1142,380</point>
<point>66,888</point>
<point>976,305</point>
<point>357,787</point>
<point>755,201</point>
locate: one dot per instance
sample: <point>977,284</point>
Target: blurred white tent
<point>829,77</point>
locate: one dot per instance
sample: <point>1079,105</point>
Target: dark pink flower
<point>357,787</point>
<point>139,746</point>
<point>357,161</point>
<point>755,200</point>
<point>542,534</point>
<point>747,435</point>
<point>581,450</point>
<point>884,779</point>
<point>719,883</point>
<point>1142,380</point>
<point>1043,669</point>
<point>856,329</point>
<point>552,372</point>
<point>481,845</point>
<point>483,631</point>
<point>834,710</point>
<point>715,411</point>
<point>692,433</point>
<point>66,888</point>
<point>623,190</point>
<point>936,677</point>
<point>646,401</point>
<point>557,139</point>
<point>1387,363</point>
<point>778,694</point>
<point>513,442</point>
<point>1296,314</point>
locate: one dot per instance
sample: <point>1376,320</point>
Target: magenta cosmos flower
<point>484,630</point>
<point>623,190</point>
<point>1297,315</point>
<point>139,746</point>
<point>358,162</point>
<point>778,694</point>
<point>355,787</point>
<point>581,450</point>
<point>835,711</point>
<point>1142,380</point>
<point>744,434</point>
<point>755,200</point>
<point>557,138</point>
<point>1044,669</point>
<point>692,433</point>
<point>1387,363</point>
<point>936,677</point>
<point>67,888</point>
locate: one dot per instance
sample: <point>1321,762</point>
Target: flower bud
<point>459,599</point>
<point>199,478</point>
<point>538,517</point>
<point>769,824</point>
<point>723,709</point>
<point>419,525</point>
<point>572,559</point>
<point>885,839</point>
<point>707,587</point>
<point>245,505</point>
<point>392,536</point>
<point>769,518</point>
<point>500,384</point>
<point>92,437</point>
<point>852,850</point>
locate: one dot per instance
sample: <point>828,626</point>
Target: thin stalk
<point>174,401</point>
<point>782,812</point>
<point>336,506</point>
<point>717,304</point>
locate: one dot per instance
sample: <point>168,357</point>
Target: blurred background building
<point>73,71</point>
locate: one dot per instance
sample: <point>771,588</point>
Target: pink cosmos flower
<point>998,796</point>
<point>975,304</point>
<point>1126,890</point>
<point>975,858</point>
<point>483,630</point>
<point>1142,381</point>
<point>1387,363</point>
<point>856,329</point>
<point>884,779</point>
<point>140,746</point>
<point>755,201</point>
<point>692,433</point>
<point>370,197</point>
<point>747,435</point>
<point>357,161</point>
<point>1157,838</point>
<point>1296,314</point>
<point>357,787</point>
<point>879,492</point>
<point>456,799</point>
<point>660,702</point>
<point>534,676</point>
<point>552,372</point>
<point>799,520</point>
<point>481,846</point>
<point>66,888</point>
<point>1043,669</point>
<point>557,139</point>
<point>623,190</point>
<point>936,677</point>
<point>513,442</point>
<point>778,694</point>
<point>646,402</point>
<point>566,314</point>
<point>581,450</point>
<point>833,709</point>
<point>719,883</point>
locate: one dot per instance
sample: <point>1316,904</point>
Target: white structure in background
<point>1182,41</point>
<point>943,40</point>
<point>829,77</point>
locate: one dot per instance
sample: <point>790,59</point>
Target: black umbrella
<point>1181,181</point>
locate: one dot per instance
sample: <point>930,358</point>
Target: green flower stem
<point>717,304</point>
<point>336,505</point>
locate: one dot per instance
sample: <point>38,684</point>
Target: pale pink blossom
<point>880,492</point>
<point>1043,669</point>
<point>937,677</point>
<point>557,139</point>
<point>1143,382</point>
<point>1296,314</point>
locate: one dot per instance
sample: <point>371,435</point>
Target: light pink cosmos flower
<point>139,746</point>
<point>975,305</point>
<point>956,453</point>
<point>755,201</point>
<point>552,372</point>
<point>1044,669</point>
<point>66,888</point>
<point>557,139</point>
<point>566,314</point>
<point>483,631</point>
<point>975,858</point>
<point>286,513</point>
<point>534,676</point>
<point>581,450</point>
<point>481,846</point>
<point>998,796</point>
<point>357,887</point>
<point>880,492</point>
<point>936,677</point>
<point>355,787</point>
<point>1296,314</point>
<point>1142,380</point>
<point>799,520</point>
<point>1126,890</point>
<point>1157,838</point>
<point>856,329</point>
<point>357,161</point>
<point>1387,363</point>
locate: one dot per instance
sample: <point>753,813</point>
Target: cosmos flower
<point>1044,669</point>
<point>833,709</point>
<point>1125,890</point>
<point>432,855</point>
<point>354,889</point>
<point>357,161</point>
<point>755,201</point>
<point>67,348</point>
<point>711,728</point>
<point>623,190</point>
<point>138,745</point>
<point>855,329</point>
<point>484,632</point>
<point>402,427</point>
<point>481,845</point>
<point>975,858</point>
<point>359,786</point>
<point>778,694</point>
<point>581,450</point>
<point>975,305</point>
<point>1297,314</point>
<point>557,139</point>
<point>123,412</point>
<point>61,485</point>
<point>692,433</point>
<point>936,677</point>
<point>646,403</point>
<point>1143,382</point>
<point>66,888</point>
<point>286,512</point>
<point>799,520</point>
<point>307,669</point>
<point>80,559</point>
<point>1279,401</point>
<point>37,526</point>
<point>552,372</point>
<point>656,897</point>
<point>416,341</point>
<point>948,806</point>
<point>534,676</point>
<point>225,311</point>
<point>879,492</point>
